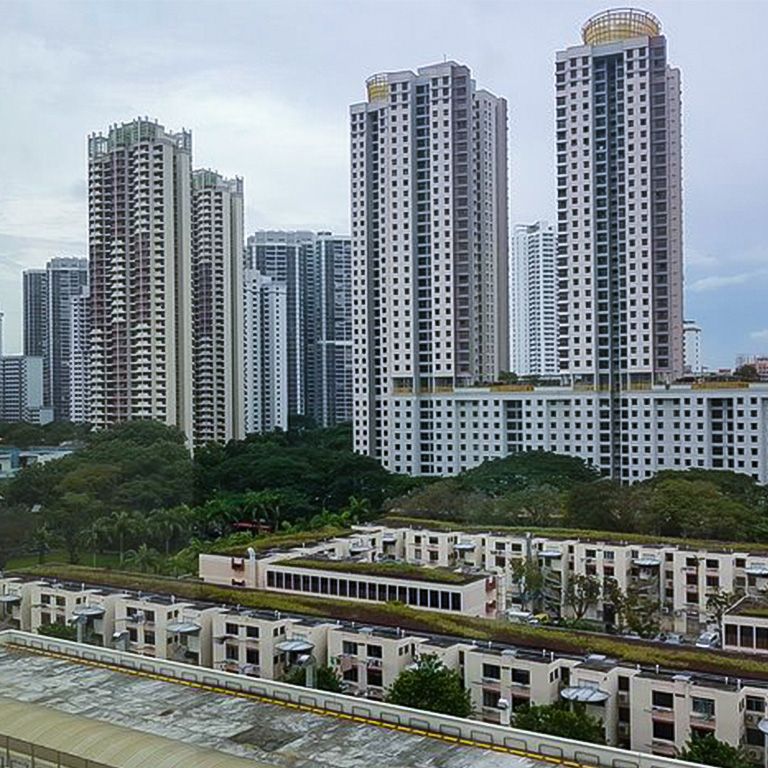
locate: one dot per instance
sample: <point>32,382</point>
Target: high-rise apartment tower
<point>217,307</point>
<point>47,296</point>
<point>429,250</point>
<point>266,370</point>
<point>533,301</point>
<point>619,246</point>
<point>140,305</point>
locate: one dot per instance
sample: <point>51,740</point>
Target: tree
<point>94,536</point>
<point>718,602</point>
<point>602,506</point>
<point>144,558</point>
<point>634,610</point>
<point>326,678</point>
<point>42,541</point>
<point>537,505</point>
<point>747,372</point>
<point>582,593</point>
<point>527,574</point>
<point>708,750</point>
<point>121,525</point>
<point>432,687</point>
<point>167,524</point>
<point>560,720</point>
<point>59,631</point>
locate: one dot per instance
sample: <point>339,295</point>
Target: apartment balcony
<point>663,715</point>
<point>663,748</point>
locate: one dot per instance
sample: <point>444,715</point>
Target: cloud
<point>716,282</point>
<point>760,335</point>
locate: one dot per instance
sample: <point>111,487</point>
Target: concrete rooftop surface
<point>270,735</point>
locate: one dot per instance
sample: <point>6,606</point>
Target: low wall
<point>552,748</point>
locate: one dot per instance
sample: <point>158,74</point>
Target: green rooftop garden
<point>400,521</point>
<point>392,570</point>
<point>422,621</point>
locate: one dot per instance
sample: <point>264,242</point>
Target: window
<point>349,648</point>
<point>664,731</point>
<point>521,677</point>
<point>491,671</point>
<point>662,700</point>
<point>703,707</point>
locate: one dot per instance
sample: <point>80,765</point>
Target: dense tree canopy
<point>708,750</point>
<point>136,484</point>
<point>317,467</point>
<point>433,687</point>
<point>560,720</point>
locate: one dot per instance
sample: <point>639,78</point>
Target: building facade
<point>533,301</point>
<point>316,271</point>
<point>692,347</point>
<point>22,390</point>
<point>287,257</point>
<point>429,245</point>
<point>48,295</point>
<point>140,262</point>
<point>712,425</point>
<point>265,369</point>
<point>331,369</point>
<point>217,308</point>
<point>79,358</point>
<point>619,188</point>
<point>619,180</point>
<point>642,707</point>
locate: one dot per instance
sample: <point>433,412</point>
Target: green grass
<point>614,537</point>
<point>391,570</point>
<point>420,621</point>
<point>237,544</point>
<point>60,557</point>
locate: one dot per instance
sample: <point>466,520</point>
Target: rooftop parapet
<point>618,24</point>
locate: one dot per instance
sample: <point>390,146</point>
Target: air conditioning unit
<point>754,754</point>
<point>752,718</point>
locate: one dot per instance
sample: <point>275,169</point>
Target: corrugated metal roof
<point>110,745</point>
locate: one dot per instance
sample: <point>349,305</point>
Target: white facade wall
<point>265,322</point>
<point>533,301</point>
<point>429,241</point>
<point>217,266</point>
<point>675,427</point>
<point>692,347</point>
<point>79,408</point>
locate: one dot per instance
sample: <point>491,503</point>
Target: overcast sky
<point>265,85</point>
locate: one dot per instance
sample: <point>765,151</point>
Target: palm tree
<point>94,536</point>
<point>42,539</point>
<point>357,508</point>
<point>122,524</point>
<point>170,523</point>
<point>144,558</point>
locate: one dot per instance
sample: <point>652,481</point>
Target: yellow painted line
<point>302,707</point>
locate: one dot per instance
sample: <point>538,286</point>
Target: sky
<point>265,87</point>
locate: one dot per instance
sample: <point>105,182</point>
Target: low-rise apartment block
<point>356,569</point>
<point>642,707</point>
<point>680,576</point>
<point>708,425</point>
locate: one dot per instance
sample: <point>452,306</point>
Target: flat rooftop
<point>270,735</point>
<point>384,569</point>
